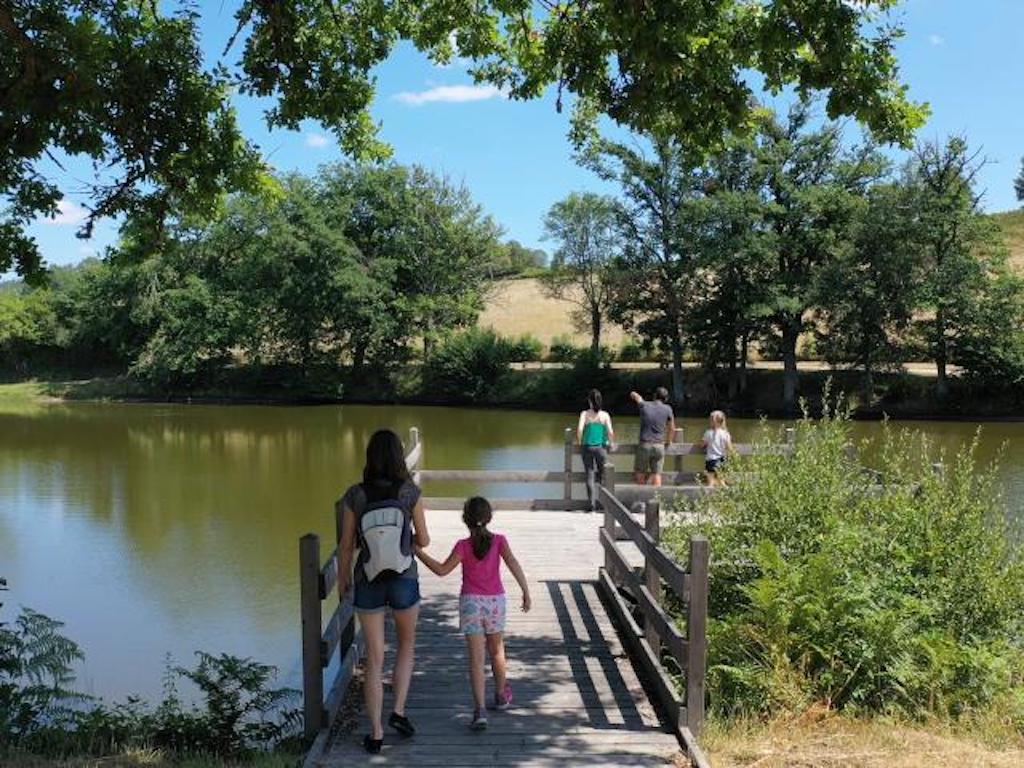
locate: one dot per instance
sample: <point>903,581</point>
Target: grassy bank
<point>819,739</point>
<point>903,395</point>
<point>144,758</point>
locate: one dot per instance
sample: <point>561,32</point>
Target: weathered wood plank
<point>441,503</point>
<point>340,619</point>
<point>328,575</point>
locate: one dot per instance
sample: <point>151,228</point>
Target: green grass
<point>144,758</point>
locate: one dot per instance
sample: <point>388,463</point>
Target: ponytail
<point>476,514</point>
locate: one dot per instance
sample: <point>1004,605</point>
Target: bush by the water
<point>467,365</point>
<point>904,596</point>
<point>41,714</point>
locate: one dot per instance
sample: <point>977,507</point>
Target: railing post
<point>791,438</point>
<point>696,632</point>
<point>567,485</point>
<point>652,524</point>
<point>414,437</point>
<point>677,461</point>
<point>608,482</point>
<point>312,672</point>
<point>939,469</point>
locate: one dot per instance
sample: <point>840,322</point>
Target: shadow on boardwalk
<point>577,698</point>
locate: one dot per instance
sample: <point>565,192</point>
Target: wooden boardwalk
<point>577,698</point>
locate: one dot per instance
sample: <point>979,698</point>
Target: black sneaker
<point>401,724</point>
<point>372,745</point>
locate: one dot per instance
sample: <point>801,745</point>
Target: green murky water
<point>156,529</point>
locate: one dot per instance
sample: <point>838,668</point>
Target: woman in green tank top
<point>594,434</point>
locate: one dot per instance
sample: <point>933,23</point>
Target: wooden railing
<point>676,480</point>
<point>342,634</point>
<point>659,637</point>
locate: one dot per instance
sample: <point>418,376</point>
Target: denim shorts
<point>397,593</point>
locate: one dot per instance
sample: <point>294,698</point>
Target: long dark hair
<point>595,400</point>
<point>476,514</point>
<point>385,459</point>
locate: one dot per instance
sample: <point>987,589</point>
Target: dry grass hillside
<point>520,306</point>
<point>1012,224</point>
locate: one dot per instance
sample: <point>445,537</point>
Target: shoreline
<point>117,389</point>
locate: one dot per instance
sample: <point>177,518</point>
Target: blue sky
<point>964,58</point>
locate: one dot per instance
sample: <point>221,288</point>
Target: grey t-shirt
<point>654,415</point>
<point>355,500</point>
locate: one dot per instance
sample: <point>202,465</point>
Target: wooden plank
<point>652,525</point>
<point>518,505</point>
<point>339,688</point>
<point>343,615</point>
<point>693,750</point>
<point>696,449</point>
<point>328,575</point>
<point>696,633</point>
<point>412,458</point>
<point>667,568</point>
<point>492,475</point>
<point>653,613</point>
<point>664,689</point>
<point>567,465</point>
<point>309,603</point>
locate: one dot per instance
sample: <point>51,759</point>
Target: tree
<point>812,187</point>
<point>661,220</point>
<point>514,258</point>
<point>584,226</point>
<point>1018,183</point>
<point>959,244</point>
<point>868,294</point>
<point>124,84</point>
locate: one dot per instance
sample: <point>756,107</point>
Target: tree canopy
<point>125,85</point>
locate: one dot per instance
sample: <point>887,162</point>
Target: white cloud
<point>936,39</point>
<point>316,140</point>
<point>68,214</point>
<point>451,94</point>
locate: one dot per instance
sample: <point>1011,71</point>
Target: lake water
<point>162,529</point>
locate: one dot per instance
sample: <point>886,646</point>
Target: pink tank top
<point>481,577</point>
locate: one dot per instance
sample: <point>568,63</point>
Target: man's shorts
<point>481,614</point>
<point>649,458</point>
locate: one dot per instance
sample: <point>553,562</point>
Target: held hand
<point>526,602</point>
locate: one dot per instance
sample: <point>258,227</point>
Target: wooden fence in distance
<point>319,645</point>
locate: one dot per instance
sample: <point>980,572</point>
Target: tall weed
<point>899,593</point>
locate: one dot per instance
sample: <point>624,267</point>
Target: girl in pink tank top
<point>482,601</point>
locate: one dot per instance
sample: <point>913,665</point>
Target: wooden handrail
<point>689,650</point>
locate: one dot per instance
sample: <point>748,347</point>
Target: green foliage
<point>513,258</point>
<point>40,713</point>
<point>123,85</point>
<point>467,366</point>
<point>584,227</point>
<point>828,587</point>
<point>1018,183</point>
<point>632,351</point>
<point>525,349</point>
<point>562,350</point>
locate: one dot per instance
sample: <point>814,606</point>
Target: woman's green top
<point>595,433</point>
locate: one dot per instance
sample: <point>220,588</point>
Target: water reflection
<point>154,529</point>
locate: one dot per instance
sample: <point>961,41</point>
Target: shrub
<point>827,587</point>
<point>525,349</point>
<point>467,366</point>
<point>562,350</point>
<point>631,351</point>
<point>39,712</point>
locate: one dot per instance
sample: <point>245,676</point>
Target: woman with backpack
<point>383,517</point>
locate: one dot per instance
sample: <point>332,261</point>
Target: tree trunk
<point>744,353</point>
<point>595,331</point>
<point>789,380</point>
<point>678,390</point>
<point>359,355</point>
<point>941,355</point>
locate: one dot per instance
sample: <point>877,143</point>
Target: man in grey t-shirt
<point>657,429</point>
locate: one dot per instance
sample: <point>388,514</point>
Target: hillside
<point>1012,224</point>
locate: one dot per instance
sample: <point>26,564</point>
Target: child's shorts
<point>713,465</point>
<point>481,614</point>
